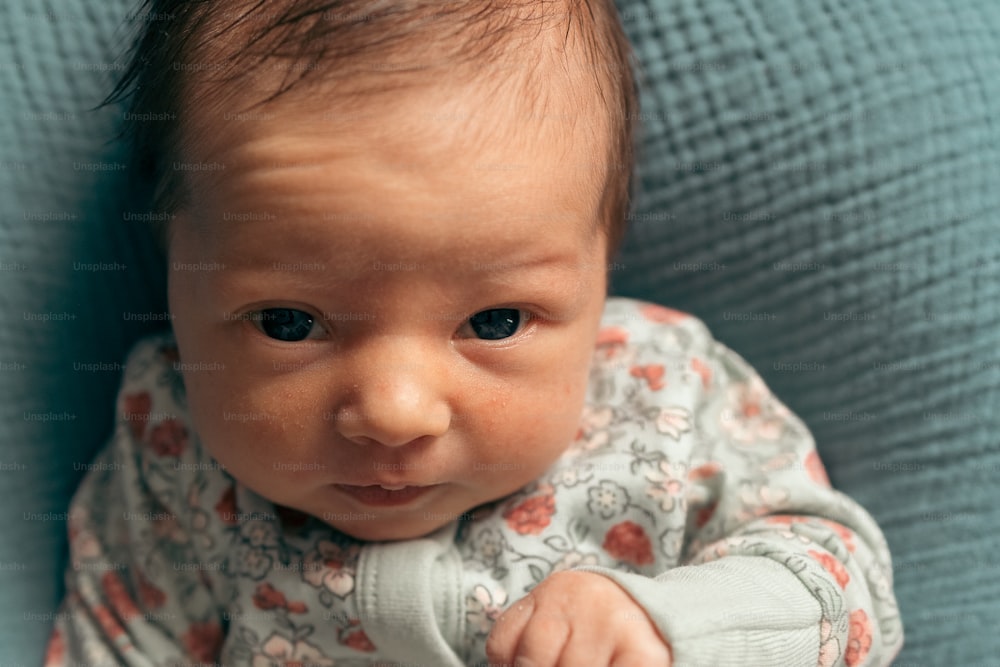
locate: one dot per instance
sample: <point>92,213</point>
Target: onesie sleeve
<point>139,589</point>
<point>777,567</point>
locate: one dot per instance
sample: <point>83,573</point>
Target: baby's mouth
<point>377,495</point>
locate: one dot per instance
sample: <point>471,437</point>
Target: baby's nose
<point>394,400</point>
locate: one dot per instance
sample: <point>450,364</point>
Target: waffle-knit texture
<point>839,159</point>
<point>819,183</point>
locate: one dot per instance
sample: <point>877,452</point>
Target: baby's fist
<point>577,618</point>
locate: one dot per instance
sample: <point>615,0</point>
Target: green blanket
<point>819,182</point>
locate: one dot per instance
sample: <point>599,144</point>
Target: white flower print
<point>752,413</point>
<point>671,542</point>
<point>280,650</point>
<point>484,607</point>
<point>571,475</point>
<point>259,534</point>
<point>594,423</point>
<point>595,418</point>
<point>613,350</point>
<point>607,499</point>
<point>489,544</point>
<point>332,567</point>
<point>673,421</point>
<point>667,486</point>
<point>254,563</point>
<point>760,500</point>
<point>595,440</point>
<point>573,559</point>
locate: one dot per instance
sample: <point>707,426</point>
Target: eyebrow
<point>309,260</point>
<point>312,272</point>
<point>541,261</point>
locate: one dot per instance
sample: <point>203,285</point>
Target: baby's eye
<point>285,324</point>
<point>496,323</point>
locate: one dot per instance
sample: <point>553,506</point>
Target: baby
<point>397,420</point>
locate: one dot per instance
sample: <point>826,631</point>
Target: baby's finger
<point>502,643</point>
<point>544,640</point>
<point>589,647</point>
<point>647,656</point>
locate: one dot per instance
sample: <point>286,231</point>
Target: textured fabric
<point>688,482</point>
<point>818,182</point>
<point>62,313</point>
<point>836,157</point>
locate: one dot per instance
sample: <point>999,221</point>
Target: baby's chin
<point>378,531</point>
<point>386,527</point>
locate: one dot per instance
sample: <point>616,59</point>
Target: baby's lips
<point>377,495</point>
<point>387,483</point>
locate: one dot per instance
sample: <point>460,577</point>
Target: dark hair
<point>222,43</point>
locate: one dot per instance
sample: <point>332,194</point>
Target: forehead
<point>536,81</point>
<point>408,160</point>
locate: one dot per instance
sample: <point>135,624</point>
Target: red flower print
<point>627,541</point>
<point>815,470</point>
<point>703,515</point>
<point>532,515</point>
<point>785,519</point>
<point>226,507</point>
<point>829,647</point>
<point>355,638</point>
<point>118,596</point>
<point>203,640</point>
<point>108,622</point>
<point>752,413</point>
<point>612,343</point>
<point>169,438</point>
<point>833,566</point>
<point>267,596</point>
<point>653,374</point>
<point>291,517</point>
<point>705,471</point>
<point>151,596</point>
<point>137,407</point>
<point>612,336</point>
<point>859,639</point>
<point>703,370</point>
<point>56,650</point>
<point>657,313</point>
<point>844,533</point>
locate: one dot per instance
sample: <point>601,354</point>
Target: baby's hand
<point>573,619</point>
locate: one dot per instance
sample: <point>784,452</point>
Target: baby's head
<point>387,255</point>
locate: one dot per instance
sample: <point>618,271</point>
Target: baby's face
<point>387,322</point>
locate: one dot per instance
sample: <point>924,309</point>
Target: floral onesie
<point>688,484</point>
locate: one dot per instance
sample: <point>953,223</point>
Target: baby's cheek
<point>524,449</point>
<point>237,422</point>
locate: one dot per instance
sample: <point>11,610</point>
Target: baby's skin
<point>411,295</point>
